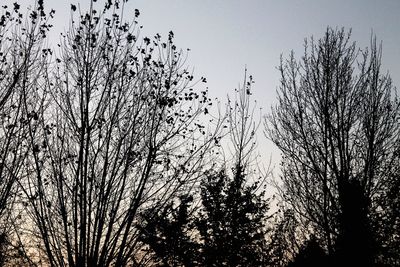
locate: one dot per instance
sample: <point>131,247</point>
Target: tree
<point>117,127</point>
<point>337,126</point>
<point>285,240</point>
<point>22,61</point>
<point>169,234</point>
<point>232,221</point>
<point>388,220</point>
<point>311,254</point>
<point>233,214</point>
<point>229,226</point>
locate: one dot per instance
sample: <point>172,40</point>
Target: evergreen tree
<point>167,233</point>
<point>232,222</point>
<point>229,228</point>
<point>310,255</point>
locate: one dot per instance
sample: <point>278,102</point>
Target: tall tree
<point>337,126</point>
<point>117,127</point>
<point>23,59</point>
<point>232,221</point>
<point>229,227</point>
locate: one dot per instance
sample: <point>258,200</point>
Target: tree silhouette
<point>168,234</point>
<point>233,215</point>
<point>337,126</point>
<point>285,240</point>
<point>23,56</point>
<point>229,226</point>
<point>231,223</point>
<point>116,126</point>
<point>311,254</point>
<point>388,218</point>
<point>109,154</point>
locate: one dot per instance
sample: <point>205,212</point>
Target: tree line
<point>111,155</point>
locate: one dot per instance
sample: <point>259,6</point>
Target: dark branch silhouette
<point>337,125</point>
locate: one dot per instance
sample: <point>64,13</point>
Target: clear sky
<point>226,35</point>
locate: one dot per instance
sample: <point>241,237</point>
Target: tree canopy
<point>337,125</point>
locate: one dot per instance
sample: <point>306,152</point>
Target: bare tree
<point>119,128</point>
<point>22,60</point>
<point>243,125</point>
<point>337,125</point>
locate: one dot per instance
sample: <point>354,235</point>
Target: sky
<point>225,36</point>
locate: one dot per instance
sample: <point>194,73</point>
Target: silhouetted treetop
<point>337,125</point>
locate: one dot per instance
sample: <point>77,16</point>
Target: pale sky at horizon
<point>226,35</point>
